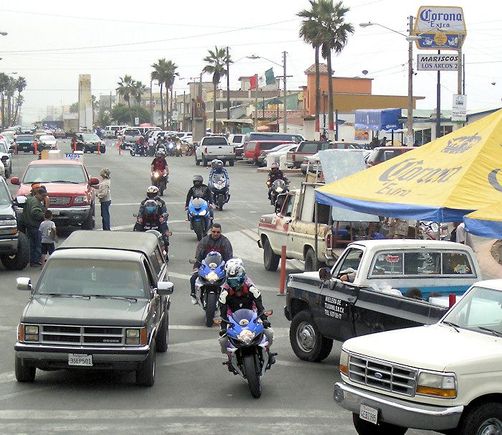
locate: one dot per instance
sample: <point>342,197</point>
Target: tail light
<point>329,241</point>
<point>205,150</point>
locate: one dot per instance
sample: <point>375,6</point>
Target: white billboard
<point>447,19</point>
<point>459,109</point>
<point>437,62</point>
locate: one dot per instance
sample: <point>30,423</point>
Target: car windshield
<point>479,310</point>
<point>25,137</point>
<point>3,147</point>
<point>92,277</point>
<point>90,137</point>
<point>54,173</point>
<point>4,194</point>
<point>47,137</point>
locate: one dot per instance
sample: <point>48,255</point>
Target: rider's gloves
<point>222,332</point>
<point>266,324</point>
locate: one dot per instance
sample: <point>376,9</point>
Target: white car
<point>48,141</point>
<point>214,147</point>
<point>5,158</point>
<point>276,155</point>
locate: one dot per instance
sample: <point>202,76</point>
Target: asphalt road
<point>193,392</point>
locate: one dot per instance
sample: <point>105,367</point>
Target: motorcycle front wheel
<point>220,202</point>
<point>131,151</point>
<point>251,368</point>
<point>198,227</point>
<point>210,308</point>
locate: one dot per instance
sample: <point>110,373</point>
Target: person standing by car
<point>48,233</point>
<point>33,215</point>
<point>105,198</point>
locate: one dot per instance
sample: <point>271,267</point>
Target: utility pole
<point>184,104</point>
<point>438,103</point>
<point>151,101</point>
<point>285,116</point>
<point>256,104</point>
<point>409,118</point>
<point>228,89</point>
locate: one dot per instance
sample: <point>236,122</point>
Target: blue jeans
<point>105,215</point>
<point>35,239</point>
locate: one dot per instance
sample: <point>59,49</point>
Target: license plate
<point>56,212</point>
<point>76,359</point>
<point>367,413</point>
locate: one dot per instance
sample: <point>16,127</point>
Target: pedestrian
<point>48,234</point>
<point>33,215</point>
<point>105,198</point>
<point>458,234</point>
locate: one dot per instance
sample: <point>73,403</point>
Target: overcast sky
<point>50,43</point>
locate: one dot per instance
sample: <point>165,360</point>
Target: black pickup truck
<point>322,307</point>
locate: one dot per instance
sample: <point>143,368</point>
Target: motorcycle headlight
<point>80,200</point>
<point>203,212</point>
<point>279,189</point>
<point>437,384</point>
<point>212,276</point>
<point>246,336</point>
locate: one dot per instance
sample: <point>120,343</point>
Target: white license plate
<point>56,212</point>
<point>367,413</point>
<point>76,359</point>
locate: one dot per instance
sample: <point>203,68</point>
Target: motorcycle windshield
<point>213,259</point>
<point>243,314</point>
<point>278,184</point>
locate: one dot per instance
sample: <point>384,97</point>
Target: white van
<point>110,131</point>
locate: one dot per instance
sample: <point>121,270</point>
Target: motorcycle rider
<point>275,174</point>
<point>153,210</point>
<point>240,292</point>
<point>159,163</point>
<point>214,241</point>
<point>200,190</point>
<point>217,167</point>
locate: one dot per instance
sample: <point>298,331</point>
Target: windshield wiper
<point>64,295</point>
<point>120,298</point>
<point>453,325</point>
<point>64,181</point>
<point>491,331</point>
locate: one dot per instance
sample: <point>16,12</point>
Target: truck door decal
<point>335,308</point>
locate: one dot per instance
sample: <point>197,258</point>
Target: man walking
<point>33,215</point>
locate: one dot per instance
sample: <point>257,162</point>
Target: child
<point>48,232</point>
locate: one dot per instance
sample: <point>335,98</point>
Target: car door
<point>155,306</point>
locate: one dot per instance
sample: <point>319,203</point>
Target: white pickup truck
<point>445,377</point>
<point>214,147</point>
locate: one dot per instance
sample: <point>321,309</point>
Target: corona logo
<point>461,144</point>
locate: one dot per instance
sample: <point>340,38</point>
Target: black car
<point>25,143</point>
<point>89,143</point>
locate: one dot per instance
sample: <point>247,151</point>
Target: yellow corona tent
<point>441,181</point>
<point>485,222</point>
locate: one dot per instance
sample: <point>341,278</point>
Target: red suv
<point>254,148</point>
<point>71,196</point>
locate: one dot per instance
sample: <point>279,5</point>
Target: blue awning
<point>378,119</point>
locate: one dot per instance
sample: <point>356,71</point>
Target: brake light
<point>205,150</point>
<point>329,241</point>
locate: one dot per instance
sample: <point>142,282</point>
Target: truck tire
<point>162,335</point>
<point>311,263</point>
<point>366,428</point>
<point>204,161</point>
<point>90,222</point>
<point>21,258</point>
<point>231,162</point>
<point>24,373</point>
<point>145,375</point>
<point>197,162</point>
<point>306,340</point>
<point>270,260</point>
<point>484,418</point>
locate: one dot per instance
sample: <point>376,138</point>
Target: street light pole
<point>151,100</point>
<point>285,116</point>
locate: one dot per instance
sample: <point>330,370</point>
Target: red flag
<point>253,81</point>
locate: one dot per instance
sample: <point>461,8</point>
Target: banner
<point>269,76</point>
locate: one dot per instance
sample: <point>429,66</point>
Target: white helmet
<point>236,274</point>
<point>152,191</point>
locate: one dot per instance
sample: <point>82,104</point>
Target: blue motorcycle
<point>199,216</point>
<point>248,348</point>
<point>208,284</point>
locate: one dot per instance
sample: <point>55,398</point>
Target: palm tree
<point>138,90</point>
<point>164,72</point>
<point>126,90</point>
<point>20,87</point>
<point>217,61</point>
<point>310,34</point>
<point>4,83</point>
<point>334,33</point>
<point>10,92</point>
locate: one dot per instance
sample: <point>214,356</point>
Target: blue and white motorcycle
<point>218,183</point>
<point>208,284</point>
<point>199,216</point>
<point>248,348</point>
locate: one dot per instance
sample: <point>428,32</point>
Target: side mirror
<point>12,148</point>
<point>165,288</point>
<point>325,274</point>
<point>23,283</point>
<point>15,180</point>
<point>20,200</point>
<point>93,181</point>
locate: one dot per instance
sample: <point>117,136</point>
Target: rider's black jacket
<point>203,192</point>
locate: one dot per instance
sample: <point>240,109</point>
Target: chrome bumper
<point>396,411</point>
<point>74,214</point>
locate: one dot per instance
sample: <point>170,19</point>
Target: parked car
<point>237,141</point>
<point>262,158</point>
<point>89,143</point>
<point>276,155</point>
<point>381,154</point>
<point>214,147</point>
<point>71,196</point>
<point>10,135</point>
<point>102,302</point>
<point>309,148</point>
<point>256,135</point>
<point>131,135</point>
<point>254,149</point>
<point>6,157</point>
<point>25,143</point>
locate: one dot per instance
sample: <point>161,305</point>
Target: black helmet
<point>197,180</point>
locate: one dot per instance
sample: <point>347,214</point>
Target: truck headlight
<point>28,333</point>
<point>80,200</point>
<point>437,385</point>
<point>9,222</point>
<point>344,363</point>
<point>136,336</point>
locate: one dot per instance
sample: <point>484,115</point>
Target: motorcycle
<point>208,284</point>
<point>171,149</point>
<point>248,348</point>
<point>431,231</point>
<point>276,188</point>
<point>153,222</point>
<point>161,146</point>
<point>137,149</point>
<point>178,151</point>
<point>199,216</point>
<point>219,186</point>
<point>190,149</point>
<point>160,180</point>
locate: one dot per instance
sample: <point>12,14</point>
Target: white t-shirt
<point>46,231</point>
<point>461,233</point>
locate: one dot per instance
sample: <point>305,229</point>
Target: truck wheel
<point>306,340</point>
<point>197,162</point>
<point>270,260</point>
<point>484,418</point>
<point>161,340</point>
<point>145,375</point>
<point>90,222</point>
<point>311,263</point>
<point>231,162</point>
<point>20,259</point>
<point>204,161</point>
<point>366,428</point>
<point>24,373</point>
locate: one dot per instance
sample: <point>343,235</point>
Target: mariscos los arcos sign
<point>440,18</point>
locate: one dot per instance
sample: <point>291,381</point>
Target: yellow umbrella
<point>485,222</point>
<point>440,181</point>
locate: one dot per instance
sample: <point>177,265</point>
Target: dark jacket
<point>276,175</point>
<point>33,212</point>
<point>208,244</point>
<point>202,192</point>
<point>249,298</point>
